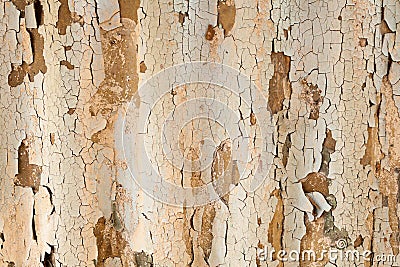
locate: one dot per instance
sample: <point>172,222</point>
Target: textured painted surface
<point>329,69</point>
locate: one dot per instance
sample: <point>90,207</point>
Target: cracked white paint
<point>342,47</point>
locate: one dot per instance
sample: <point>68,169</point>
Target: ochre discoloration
<point>226,15</point>
<point>328,147</point>
<point>210,33</point>
<point>206,236</point>
<point>358,242</point>
<point>363,42</point>
<point>121,77</point>
<point>321,233</point>
<point>279,85</point>
<point>28,174</point>
<point>38,63</point>
<point>142,67</point>
<point>370,230</point>
<point>315,182</point>
<point>64,17</point>
<point>223,167</point>
<point>67,64</point>
<point>52,138</point>
<point>187,235</point>
<point>373,148</point>
<point>182,17</point>
<point>285,150</point>
<point>21,4</point>
<point>142,259</point>
<point>385,28</point>
<point>120,64</point>
<point>16,77</point>
<point>110,243</point>
<point>388,177</point>
<point>312,95</point>
<point>253,118</point>
<point>128,9</point>
<point>315,240</point>
<point>275,228</point>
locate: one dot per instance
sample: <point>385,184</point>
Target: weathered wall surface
<point>330,71</point>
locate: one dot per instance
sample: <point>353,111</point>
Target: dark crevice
<point>285,150</point>
<point>49,259</point>
<point>33,226</point>
<point>38,12</point>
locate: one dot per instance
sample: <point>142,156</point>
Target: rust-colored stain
<point>121,77</point>
<point>105,136</point>
<point>38,63</point>
<point>142,67</point>
<point>279,85</point>
<point>312,95</point>
<point>28,174</point>
<point>253,118</point>
<point>142,259</point>
<point>329,142</point>
<point>210,33</point>
<point>110,243</point>
<point>182,17</point>
<point>258,261</point>
<point>316,241</point>
<point>52,138</point>
<point>64,17</point>
<point>128,9</point>
<point>370,221</point>
<point>16,76</point>
<point>21,4</point>
<point>328,147</point>
<point>120,67</point>
<point>372,149</point>
<point>363,42</point>
<point>71,111</point>
<point>187,236</point>
<point>385,28</point>
<point>223,167</point>
<point>286,149</point>
<point>315,182</point>
<point>275,227</point>
<point>389,178</point>
<point>358,242</point>
<point>206,236</point>
<point>321,233</point>
<point>226,15</point>
<point>67,64</point>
